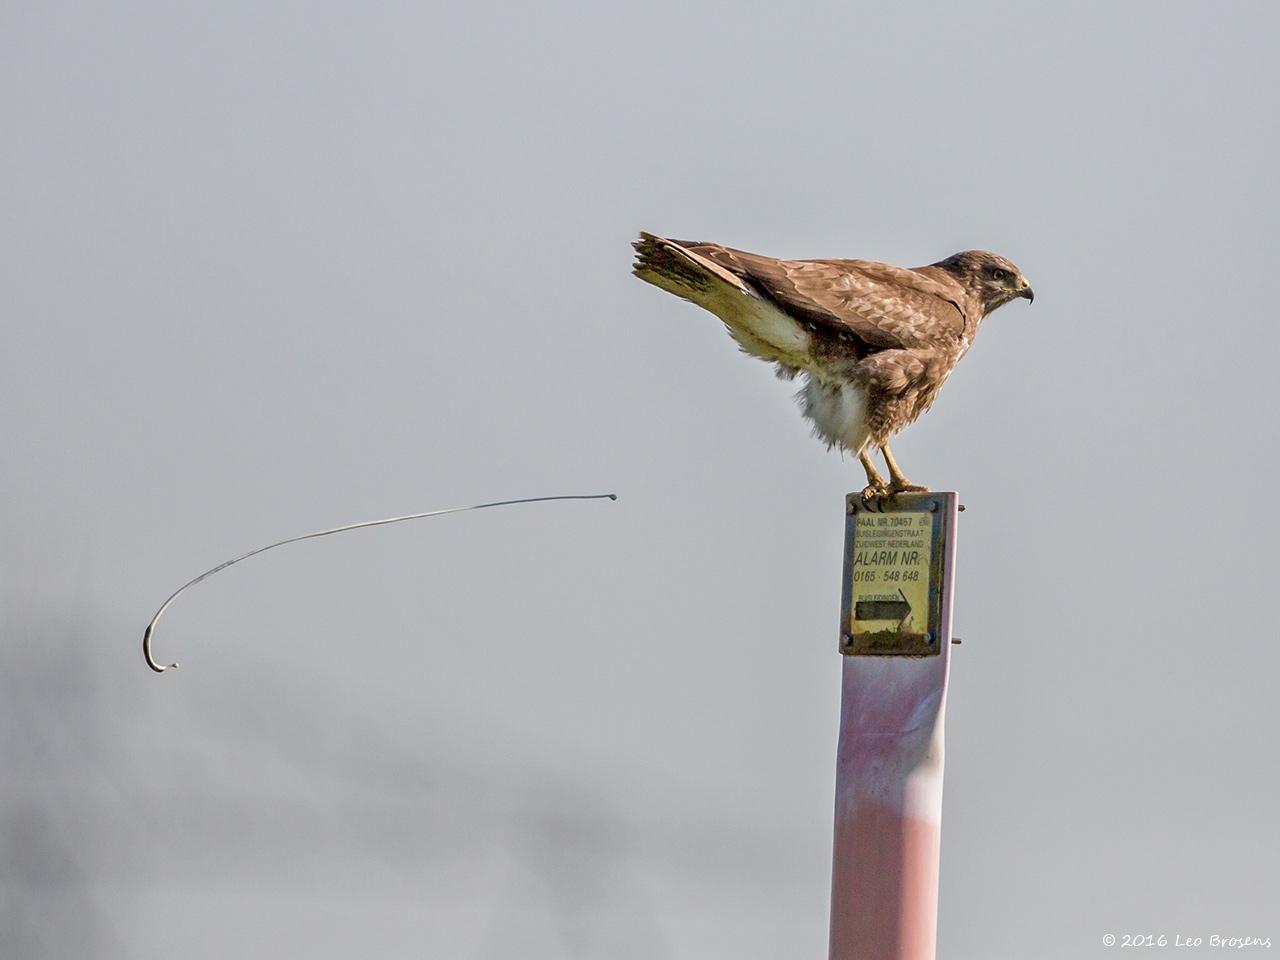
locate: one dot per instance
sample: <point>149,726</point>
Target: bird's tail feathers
<point>675,268</point>
<point>759,327</point>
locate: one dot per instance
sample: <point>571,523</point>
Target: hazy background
<point>272,267</point>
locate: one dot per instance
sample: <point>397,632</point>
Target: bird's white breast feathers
<point>837,407</point>
<point>838,411</point>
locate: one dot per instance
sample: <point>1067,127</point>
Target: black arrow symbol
<point>883,609</point>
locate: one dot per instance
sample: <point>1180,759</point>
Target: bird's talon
<point>874,491</point>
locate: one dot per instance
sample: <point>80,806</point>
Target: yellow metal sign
<point>891,596</point>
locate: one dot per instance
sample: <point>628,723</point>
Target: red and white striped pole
<point>896,637</point>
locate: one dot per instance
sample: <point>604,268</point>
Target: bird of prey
<point>873,342</point>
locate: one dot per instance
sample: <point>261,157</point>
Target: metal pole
<point>896,637</point>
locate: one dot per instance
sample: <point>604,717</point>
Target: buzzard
<point>873,342</point>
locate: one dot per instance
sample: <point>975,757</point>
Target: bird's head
<point>988,277</point>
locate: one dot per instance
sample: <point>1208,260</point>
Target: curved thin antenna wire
<point>147,634</point>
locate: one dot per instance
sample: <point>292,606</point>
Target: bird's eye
<point>999,274</point>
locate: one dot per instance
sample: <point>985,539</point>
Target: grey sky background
<point>272,267</point>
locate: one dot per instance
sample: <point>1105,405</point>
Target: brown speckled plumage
<point>874,342</point>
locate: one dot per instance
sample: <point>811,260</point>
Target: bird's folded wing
<point>886,307</point>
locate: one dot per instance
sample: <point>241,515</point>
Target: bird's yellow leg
<point>897,482</point>
<point>876,487</point>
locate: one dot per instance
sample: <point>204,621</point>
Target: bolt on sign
<point>895,566</point>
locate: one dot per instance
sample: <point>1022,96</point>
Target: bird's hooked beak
<point>1025,291</point>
